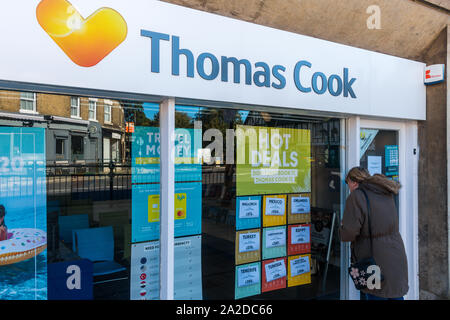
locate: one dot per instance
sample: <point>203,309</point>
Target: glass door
<point>379,153</point>
<point>389,148</point>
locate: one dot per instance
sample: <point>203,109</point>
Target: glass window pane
<point>101,175</point>
<point>92,110</point>
<point>74,107</point>
<point>86,170</point>
<point>298,160</point>
<point>107,113</point>
<point>27,95</point>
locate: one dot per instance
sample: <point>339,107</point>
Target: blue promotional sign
<point>23,214</point>
<point>145,153</point>
<point>248,212</point>
<point>391,156</point>
<point>146,209</point>
<point>71,280</point>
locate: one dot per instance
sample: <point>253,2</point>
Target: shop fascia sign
<point>209,67</point>
<point>72,32</point>
<point>160,49</point>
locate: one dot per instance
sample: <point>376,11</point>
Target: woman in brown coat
<point>388,248</point>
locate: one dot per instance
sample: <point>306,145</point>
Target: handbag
<point>358,270</point>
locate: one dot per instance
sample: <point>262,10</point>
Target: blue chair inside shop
<point>97,245</point>
<point>68,223</point>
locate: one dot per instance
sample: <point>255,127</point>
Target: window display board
<point>273,166</point>
<point>299,208</point>
<point>299,270</point>
<point>274,274</point>
<point>248,246</point>
<point>144,279</point>
<point>274,242</point>
<point>274,210</point>
<point>248,212</point>
<point>23,219</point>
<point>248,280</point>
<point>299,239</point>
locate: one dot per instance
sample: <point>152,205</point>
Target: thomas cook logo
<point>85,41</point>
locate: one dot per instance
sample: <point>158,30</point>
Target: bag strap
<point>368,218</point>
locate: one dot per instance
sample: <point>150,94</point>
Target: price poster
<point>299,270</point>
<point>274,208</point>
<point>144,277</point>
<point>248,246</point>
<point>273,274</point>
<point>274,242</point>
<point>299,208</point>
<point>248,215</point>
<point>248,280</point>
<point>144,273</point>
<point>248,242</point>
<point>299,239</point>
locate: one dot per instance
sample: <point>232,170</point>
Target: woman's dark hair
<point>2,211</point>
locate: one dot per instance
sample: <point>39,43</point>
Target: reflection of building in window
<point>115,151</point>
<point>92,109</point>
<point>28,101</point>
<point>60,147</point>
<point>77,143</point>
<point>107,112</point>
<point>64,116</point>
<point>74,107</point>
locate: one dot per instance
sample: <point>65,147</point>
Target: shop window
<point>92,110</point>
<point>75,107</point>
<point>269,200</point>
<point>28,102</point>
<point>56,183</point>
<point>275,210</point>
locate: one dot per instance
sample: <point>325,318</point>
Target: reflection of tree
<point>220,119</point>
<point>182,120</point>
<point>134,112</point>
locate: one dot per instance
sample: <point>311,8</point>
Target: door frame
<point>408,195</point>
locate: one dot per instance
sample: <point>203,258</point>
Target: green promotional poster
<point>272,160</point>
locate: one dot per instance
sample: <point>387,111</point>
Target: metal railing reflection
<point>95,181</point>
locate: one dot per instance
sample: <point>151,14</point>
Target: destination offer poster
<point>23,214</point>
<point>272,160</point>
<point>273,274</point>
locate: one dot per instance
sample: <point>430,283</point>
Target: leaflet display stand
<point>327,260</point>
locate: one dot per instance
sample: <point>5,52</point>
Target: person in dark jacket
<point>388,248</point>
